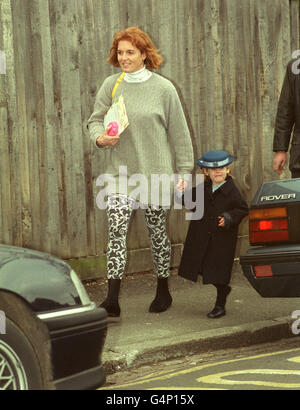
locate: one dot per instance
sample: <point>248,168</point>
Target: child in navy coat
<point>210,244</point>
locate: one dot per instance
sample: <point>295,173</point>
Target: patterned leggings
<point>119,210</point>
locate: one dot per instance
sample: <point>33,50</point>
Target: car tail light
<point>268,225</point>
<point>262,271</point>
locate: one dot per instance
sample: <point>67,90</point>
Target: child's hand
<point>221,221</point>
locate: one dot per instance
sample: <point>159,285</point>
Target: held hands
<point>182,184</point>
<point>106,140</point>
<point>279,161</point>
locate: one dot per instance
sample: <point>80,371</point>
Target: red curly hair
<point>140,40</point>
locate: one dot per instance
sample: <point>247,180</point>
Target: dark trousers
<point>296,174</point>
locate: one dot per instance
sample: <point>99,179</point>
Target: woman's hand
<point>181,185</point>
<point>106,140</point>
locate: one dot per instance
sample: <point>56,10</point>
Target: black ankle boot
<point>219,309</point>
<point>163,299</point>
<point>111,303</point>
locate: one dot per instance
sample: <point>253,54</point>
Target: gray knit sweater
<point>157,140</point>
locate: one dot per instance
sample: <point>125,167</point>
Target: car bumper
<point>284,262</point>
<point>77,338</point>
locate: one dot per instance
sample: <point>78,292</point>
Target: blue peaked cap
<point>215,159</point>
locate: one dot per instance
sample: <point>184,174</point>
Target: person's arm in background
<point>285,120</point>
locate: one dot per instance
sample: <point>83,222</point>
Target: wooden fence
<point>226,57</point>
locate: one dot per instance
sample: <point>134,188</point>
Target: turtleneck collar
<point>138,76</point>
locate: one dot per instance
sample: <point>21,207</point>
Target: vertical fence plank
<point>48,132</point>
<point>5,188</point>
<point>11,196</point>
<point>64,21</point>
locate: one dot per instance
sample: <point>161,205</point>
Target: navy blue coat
<point>209,250</point>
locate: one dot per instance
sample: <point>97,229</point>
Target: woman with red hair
<point>156,142</point>
<point>141,41</point>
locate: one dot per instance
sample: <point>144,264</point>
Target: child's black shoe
<point>218,311</point>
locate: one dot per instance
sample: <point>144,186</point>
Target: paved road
<point>266,366</point>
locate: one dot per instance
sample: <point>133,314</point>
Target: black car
<point>272,265</point>
<point>51,334</point>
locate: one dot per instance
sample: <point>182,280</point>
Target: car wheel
<point>25,362</point>
<point>18,367</point>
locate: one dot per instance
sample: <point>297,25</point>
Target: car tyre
<point>25,358</point>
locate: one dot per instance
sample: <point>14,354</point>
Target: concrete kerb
<point>145,353</point>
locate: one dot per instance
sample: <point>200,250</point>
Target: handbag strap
<point>117,84</point>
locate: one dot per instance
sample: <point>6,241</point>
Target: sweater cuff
<point>94,134</point>
<point>184,174</point>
